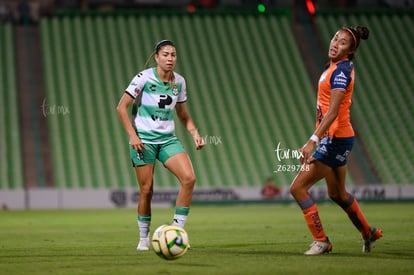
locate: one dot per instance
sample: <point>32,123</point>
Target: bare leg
<point>180,165</point>
<point>335,181</point>
<point>299,190</point>
<point>145,181</point>
<point>304,180</point>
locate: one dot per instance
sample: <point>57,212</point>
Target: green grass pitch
<point>229,239</point>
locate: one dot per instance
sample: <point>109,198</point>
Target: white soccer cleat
<point>318,248</point>
<point>143,244</point>
<point>369,242</point>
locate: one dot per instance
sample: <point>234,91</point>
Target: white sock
<point>179,220</point>
<point>180,215</point>
<point>144,224</point>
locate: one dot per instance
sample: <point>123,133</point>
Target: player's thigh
<point>180,165</point>
<point>174,157</point>
<point>145,175</point>
<point>335,181</point>
<point>307,178</point>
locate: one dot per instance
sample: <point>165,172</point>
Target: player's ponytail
<point>146,65</point>
<point>363,32</point>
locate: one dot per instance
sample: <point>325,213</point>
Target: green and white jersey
<point>156,102</point>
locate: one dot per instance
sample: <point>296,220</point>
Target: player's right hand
<point>136,143</point>
<point>306,152</point>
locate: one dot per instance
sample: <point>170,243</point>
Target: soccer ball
<point>170,242</point>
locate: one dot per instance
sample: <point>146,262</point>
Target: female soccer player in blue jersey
<point>334,138</point>
<point>156,94</point>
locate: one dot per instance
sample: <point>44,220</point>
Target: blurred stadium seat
<point>11,170</point>
<point>248,90</point>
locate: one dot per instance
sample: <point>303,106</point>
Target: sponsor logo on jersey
<point>322,149</point>
<point>340,80</point>
<point>343,156</point>
<point>323,77</point>
<point>155,118</point>
<point>153,88</point>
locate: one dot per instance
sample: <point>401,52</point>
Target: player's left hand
<point>199,141</point>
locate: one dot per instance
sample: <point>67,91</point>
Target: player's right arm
<point>122,109</point>
<point>334,105</point>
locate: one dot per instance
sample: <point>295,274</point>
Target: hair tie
<point>163,43</point>
<point>353,36</point>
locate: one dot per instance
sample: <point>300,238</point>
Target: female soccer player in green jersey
<point>157,93</point>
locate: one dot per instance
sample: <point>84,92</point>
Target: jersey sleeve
<point>136,85</point>
<point>341,76</point>
<point>182,97</point>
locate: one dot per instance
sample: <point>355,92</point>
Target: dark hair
<point>357,33</point>
<point>161,44</point>
<point>157,48</point>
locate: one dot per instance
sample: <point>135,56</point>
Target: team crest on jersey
<point>323,77</point>
<point>174,90</point>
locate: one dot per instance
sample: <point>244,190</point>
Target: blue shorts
<point>334,151</point>
<point>162,152</point>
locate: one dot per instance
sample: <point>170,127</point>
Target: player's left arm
<point>184,116</point>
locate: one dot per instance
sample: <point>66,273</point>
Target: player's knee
<point>188,180</point>
<point>294,190</point>
<point>337,195</point>
<point>343,200</point>
<point>146,194</point>
<point>334,196</point>
<point>299,192</point>
<point>145,191</point>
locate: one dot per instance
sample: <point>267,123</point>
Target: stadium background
<point>251,69</point>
